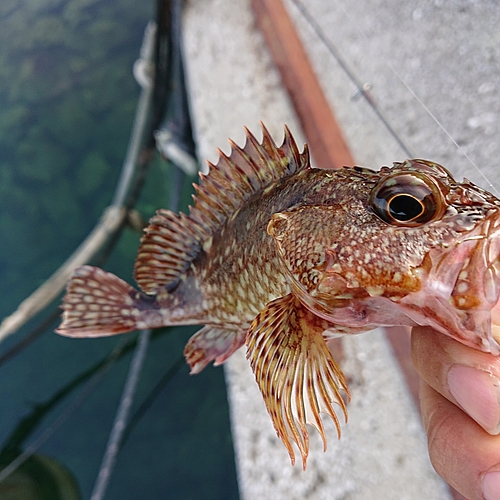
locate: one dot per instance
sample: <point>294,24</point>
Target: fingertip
<point>459,449</point>
<point>477,392</point>
<point>491,485</point>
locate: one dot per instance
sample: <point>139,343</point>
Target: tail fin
<point>99,304</point>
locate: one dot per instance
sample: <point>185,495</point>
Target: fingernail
<point>491,486</point>
<point>478,393</point>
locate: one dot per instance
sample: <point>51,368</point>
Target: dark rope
<point>121,417</point>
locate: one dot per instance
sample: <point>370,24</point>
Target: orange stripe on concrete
<point>328,146</point>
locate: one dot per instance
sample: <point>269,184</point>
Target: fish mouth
<point>461,289</point>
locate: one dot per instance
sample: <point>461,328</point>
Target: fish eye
<point>407,199</point>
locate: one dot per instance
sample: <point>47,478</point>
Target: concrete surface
<point>448,53</point>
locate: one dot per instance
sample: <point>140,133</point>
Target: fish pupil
<point>404,207</point>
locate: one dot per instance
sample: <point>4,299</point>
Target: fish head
<point>406,245</point>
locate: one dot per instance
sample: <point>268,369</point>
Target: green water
<point>67,99</point>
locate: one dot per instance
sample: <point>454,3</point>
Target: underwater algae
<point>66,105</point>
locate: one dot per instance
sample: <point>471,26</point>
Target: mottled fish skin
<point>280,256</point>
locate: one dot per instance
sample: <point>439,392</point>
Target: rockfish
<point>283,257</point>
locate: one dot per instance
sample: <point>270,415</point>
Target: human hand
<point>460,405</point>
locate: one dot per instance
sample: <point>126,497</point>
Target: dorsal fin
<point>172,241</point>
<point>167,248</point>
<point>245,171</point>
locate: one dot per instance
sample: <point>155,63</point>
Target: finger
<point>467,377</point>
<point>461,452</point>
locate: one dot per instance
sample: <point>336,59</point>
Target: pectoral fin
<point>295,371</point>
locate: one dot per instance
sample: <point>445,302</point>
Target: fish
<point>282,257</point>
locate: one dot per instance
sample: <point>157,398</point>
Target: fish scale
<point>281,256</point>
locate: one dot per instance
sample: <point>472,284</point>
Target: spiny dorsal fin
<point>245,171</point>
<point>295,371</point>
<point>172,241</point>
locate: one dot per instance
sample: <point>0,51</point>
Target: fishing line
<point>441,126</point>
<point>361,88</point>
